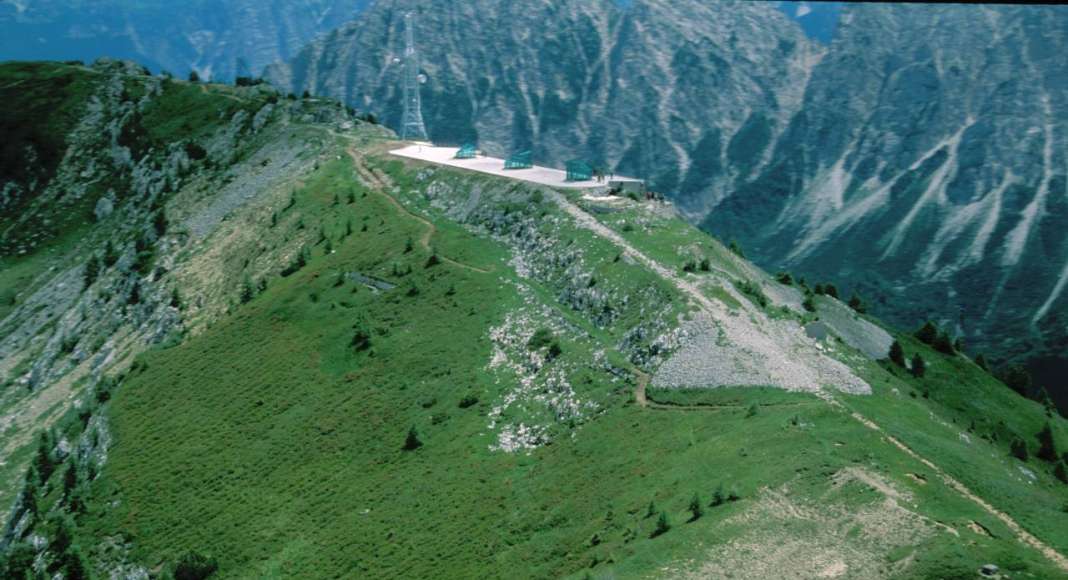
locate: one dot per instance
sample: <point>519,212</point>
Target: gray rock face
<point>220,39</point>
<point>653,89</point>
<point>927,167</point>
<point>933,135</point>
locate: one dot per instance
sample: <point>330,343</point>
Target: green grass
<point>729,397</point>
<point>273,441</point>
<point>959,394</point>
<point>290,462</point>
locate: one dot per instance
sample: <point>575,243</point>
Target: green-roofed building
<point>468,151</point>
<point>579,170</point>
<point>521,160</point>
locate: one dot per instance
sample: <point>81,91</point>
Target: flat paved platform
<point>494,166</point>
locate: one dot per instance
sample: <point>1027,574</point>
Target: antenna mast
<point>412,127</point>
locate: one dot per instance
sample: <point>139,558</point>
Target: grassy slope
<point>290,462</point>
<point>45,103</point>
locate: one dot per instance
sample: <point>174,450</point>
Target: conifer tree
<point>663,524</point>
<point>92,270</point>
<point>857,304</point>
<point>919,366</point>
<point>1018,448</point>
<point>927,333</point>
<point>897,354</point>
<point>1047,448</point>
<point>696,509</point>
<point>412,442</point>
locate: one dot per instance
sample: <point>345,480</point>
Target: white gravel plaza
<point>495,166</point>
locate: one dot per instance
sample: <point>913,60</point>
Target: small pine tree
<point>361,340</point>
<point>696,509</point>
<point>44,461</point>
<point>74,565</point>
<point>412,442</point>
<point>857,304</point>
<point>70,480</point>
<point>809,303</point>
<point>919,366</point>
<point>736,249</point>
<point>248,292</point>
<point>980,361</point>
<point>348,228</point>
<point>819,290</point>
<point>651,510</point>
<point>831,291</point>
<point>135,294</point>
<point>663,525</point>
<point>943,343</point>
<point>159,223</point>
<point>927,333</point>
<point>176,299</point>
<point>328,248</point>
<point>194,77</point>
<point>29,489</point>
<point>1060,472</point>
<point>110,256</point>
<point>1047,448</point>
<point>408,245</point>
<point>194,566</point>
<point>63,536</point>
<point>1017,378</point>
<point>352,197</point>
<point>752,410</point>
<point>434,260</point>
<point>554,351</point>
<point>705,265</point>
<point>718,497</point>
<point>785,278</point>
<point>1018,448</point>
<point>897,354</point>
<point>92,270</point>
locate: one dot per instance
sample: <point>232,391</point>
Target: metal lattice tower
<point>412,126</point>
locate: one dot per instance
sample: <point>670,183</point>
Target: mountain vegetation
<point>340,363</point>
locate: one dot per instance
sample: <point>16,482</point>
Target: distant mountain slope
<point>657,89</point>
<point>274,349</point>
<point>219,39</point>
<point>930,164</point>
<point>920,153</point>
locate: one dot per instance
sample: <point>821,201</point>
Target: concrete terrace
<point>494,166</point>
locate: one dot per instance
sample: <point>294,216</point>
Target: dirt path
<point>381,184</point>
<point>591,223</point>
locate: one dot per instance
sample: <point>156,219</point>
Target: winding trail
<point>381,184</point>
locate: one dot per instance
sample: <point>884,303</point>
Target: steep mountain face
<point>932,162</point>
<point>109,175</point>
<point>251,336</point>
<point>656,89</point>
<point>220,39</point>
<point>935,134</point>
